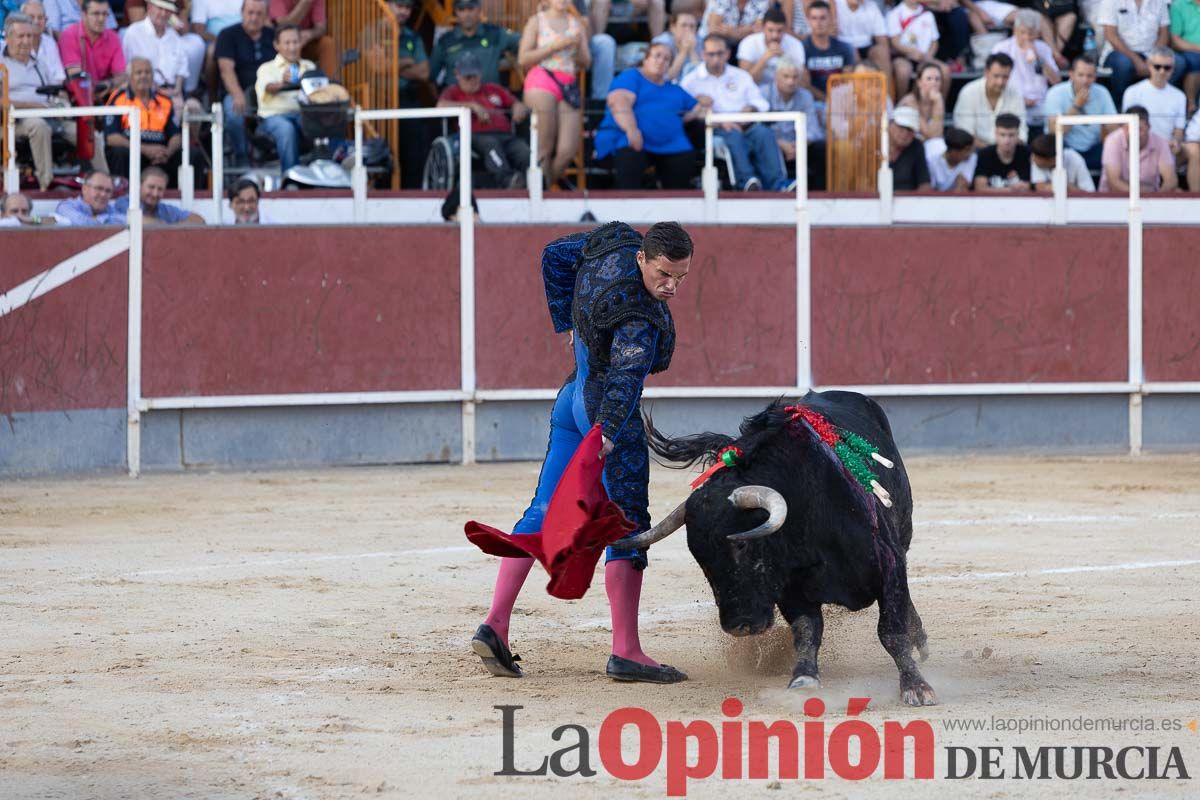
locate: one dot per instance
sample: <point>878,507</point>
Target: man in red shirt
<point>88,46</point>
<point>494,110</point>
<point>315,42</point>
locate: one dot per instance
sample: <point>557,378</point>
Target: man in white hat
<point>153,38</point>
<point>906,155</point>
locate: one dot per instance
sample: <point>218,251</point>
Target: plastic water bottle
<point>1089,43</point>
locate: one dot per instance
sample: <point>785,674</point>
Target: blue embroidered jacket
<point>594,286</point>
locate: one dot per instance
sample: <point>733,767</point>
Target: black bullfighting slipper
<point>496,657</point>
<point>622,669</point>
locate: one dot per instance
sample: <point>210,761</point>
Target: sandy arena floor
<point>304,634</point>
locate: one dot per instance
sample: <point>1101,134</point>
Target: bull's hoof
<point>805,683</point>
<point>920,694</point>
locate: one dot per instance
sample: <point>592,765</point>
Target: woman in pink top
<point>553,47</point>
<point>1034,68</point>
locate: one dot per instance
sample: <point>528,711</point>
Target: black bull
<point>809,535</point>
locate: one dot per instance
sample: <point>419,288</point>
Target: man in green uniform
<point>488,42</point>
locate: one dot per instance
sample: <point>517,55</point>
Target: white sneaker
<point>752,185</point>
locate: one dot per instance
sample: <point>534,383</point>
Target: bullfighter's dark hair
<point>667,239</point>
<point>685,451</point>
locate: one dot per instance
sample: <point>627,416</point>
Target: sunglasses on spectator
<point>1161,66</point>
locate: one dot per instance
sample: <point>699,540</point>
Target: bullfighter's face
<point>662,276</point>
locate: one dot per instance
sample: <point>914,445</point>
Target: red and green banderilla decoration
<point>852,450</point>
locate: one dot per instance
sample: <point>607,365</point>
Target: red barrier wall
<point>66,350</point>
<point>1171,299</point>
<point>947,305</point>
<point>278,310</point>
<point>331,309</point>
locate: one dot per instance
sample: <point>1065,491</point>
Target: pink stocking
<point>624,586</point>
<point>509,581</point>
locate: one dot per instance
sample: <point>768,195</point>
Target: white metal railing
<point>1134,293</point>
<point>803,252</point>
<point>76,266</point>
<point>187,174</point>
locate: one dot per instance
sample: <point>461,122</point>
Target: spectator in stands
<point>913,35</point>
<point>161,139</point>
<point>8,7</point>
<point>155,40</point>
<point>45,49</point>
<point>989,15</point>
<point>1191,150</point>
<point>62,13</point>
<point>1034,68</point>
<point>489,42</point>
<point>982,101</point>
<point>733,19</point>
<point>24,79</point>
<point>1005,165</point>
<point>1079,96</point>
<point>315,42</point>
<point>87,46</point>
<point>823,54</point>
<point>929,101</point>
<point>655,11</point>
<point>860,24</point>
<point>951,160</point>
<point>1185,39</point>
<point>788,94</point>
<point>494,111</point>
<point>241,50</point>
<point>1041,173</point>
<point>94,204</point>
<point>209,18</point>
<point>17,209</point>
<point>1166,104</point>
<point>1156,165</point>
<point>726,88</point>
<point>954,29</point>
<point>193,44</point>
<point>906,155</point>
<point>244,198</point>
<point>759,52</point>
<point>154,210</point>
<point>413,64</point>
<point>554,47</point>
<point>279,107</point>
<point>1131,28</point>
<point>643,125</point>
<point>681,38</point>
<point>412,67</point>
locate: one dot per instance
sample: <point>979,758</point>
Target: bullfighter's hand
<point>606,447</point>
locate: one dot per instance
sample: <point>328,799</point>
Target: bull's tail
<point>685,451</point>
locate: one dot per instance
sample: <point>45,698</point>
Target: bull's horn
<point>751,497</point>
<point>665,527</point>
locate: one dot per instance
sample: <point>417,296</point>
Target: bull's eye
<point>738,547</point>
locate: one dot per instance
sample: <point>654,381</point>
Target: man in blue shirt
<point>154,210</point>
<point>93,206</point>
<point>824,55</point>
<point>1081,95</point>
